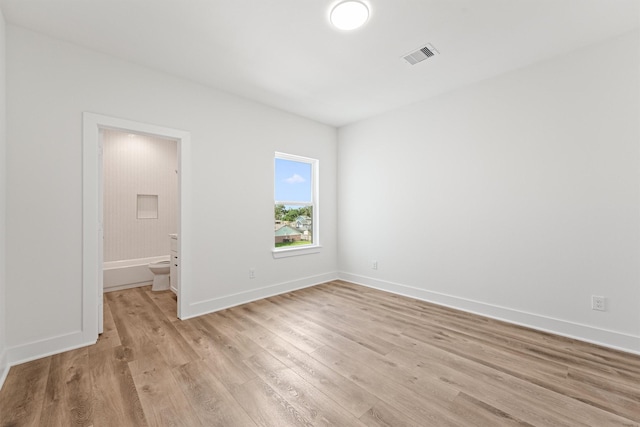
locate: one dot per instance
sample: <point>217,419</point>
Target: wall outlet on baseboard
<point>597,303</point>
<point>374,265</point>
<point>252,273</point>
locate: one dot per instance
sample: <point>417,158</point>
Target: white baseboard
<point>611,339</point>
<point>39,349</point>
<point>47,347</point>
<point>227,301</point>
<point>4,367</point>
<point>123,287</point>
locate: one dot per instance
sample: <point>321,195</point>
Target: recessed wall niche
<point>147,206</point>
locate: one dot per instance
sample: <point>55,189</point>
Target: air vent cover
<point>420,54</point>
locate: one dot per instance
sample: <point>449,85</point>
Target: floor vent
<point>421,54</point>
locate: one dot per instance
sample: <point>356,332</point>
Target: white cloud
<point>295,179</point>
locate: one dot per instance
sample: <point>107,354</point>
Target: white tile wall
<point>137,164</point>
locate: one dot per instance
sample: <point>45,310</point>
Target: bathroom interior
<point>140,211</point>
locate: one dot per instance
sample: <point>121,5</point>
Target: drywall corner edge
<point>4,368</point>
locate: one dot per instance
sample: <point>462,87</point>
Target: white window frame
<point>314,247</point>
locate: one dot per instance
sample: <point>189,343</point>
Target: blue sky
<point>292,181</point>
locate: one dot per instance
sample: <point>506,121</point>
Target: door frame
<point>92,200</point>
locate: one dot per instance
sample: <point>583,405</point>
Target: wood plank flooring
<point>335,354</point>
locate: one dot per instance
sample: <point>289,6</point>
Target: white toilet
<point>160,272</point>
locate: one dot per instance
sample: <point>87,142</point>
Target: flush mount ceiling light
<point>349,15</point>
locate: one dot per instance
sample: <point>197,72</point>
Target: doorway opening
<point>140,202</point>
<point>94,128</point>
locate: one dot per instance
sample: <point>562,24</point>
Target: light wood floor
<point>335,354</point>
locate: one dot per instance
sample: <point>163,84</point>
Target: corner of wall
<point>4,368</point>
<point>514,224</point>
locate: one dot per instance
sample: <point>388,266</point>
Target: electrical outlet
<point>252,273</point>
<point>374,265</point>
<point>597,303</point>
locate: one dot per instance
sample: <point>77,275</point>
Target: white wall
<point>517,197</point>
<point>49,84</point>
<point>3,143</point>
<point>138,164</point>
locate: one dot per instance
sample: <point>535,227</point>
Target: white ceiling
<point>284,53</point>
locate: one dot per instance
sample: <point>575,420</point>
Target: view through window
<point>294,213</point>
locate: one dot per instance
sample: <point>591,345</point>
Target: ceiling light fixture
<point>349,15</point>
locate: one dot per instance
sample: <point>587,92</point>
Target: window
<point>295,205</point>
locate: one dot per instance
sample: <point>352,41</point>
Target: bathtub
<point>129,273</point>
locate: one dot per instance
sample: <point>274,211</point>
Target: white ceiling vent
<point>420,54</point>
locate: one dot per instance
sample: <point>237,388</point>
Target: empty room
<point>320,212</point>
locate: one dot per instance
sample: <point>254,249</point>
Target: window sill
<point>289,252</point>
